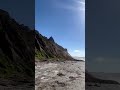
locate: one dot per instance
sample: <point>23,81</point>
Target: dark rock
<point>47,48</point>
<point>51,39</point>
<point>60,74</point>
<point>61,84</point>
<point>72,78</point>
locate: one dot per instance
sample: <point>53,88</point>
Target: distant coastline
<point>79,58</point>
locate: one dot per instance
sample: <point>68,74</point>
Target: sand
<point>67,75</point>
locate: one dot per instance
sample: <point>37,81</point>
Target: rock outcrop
<point>51,39</point>
<point>47,48</point>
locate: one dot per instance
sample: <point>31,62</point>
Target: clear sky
<point>64,20</point>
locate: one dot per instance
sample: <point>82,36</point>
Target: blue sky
<point>64,20</point>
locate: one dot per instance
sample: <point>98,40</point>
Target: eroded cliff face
<point>19,45</point>
<point>47,48</point>
<point>16,48</point>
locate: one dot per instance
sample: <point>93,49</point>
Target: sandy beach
<point>64,75</point>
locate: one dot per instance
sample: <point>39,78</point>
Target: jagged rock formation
<point>51,39</point>
<point>47,48</point>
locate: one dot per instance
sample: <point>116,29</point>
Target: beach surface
<point>60,75</point>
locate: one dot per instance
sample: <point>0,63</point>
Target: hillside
<point>20,45</point>
<point>46,48</point>
<point>16,48</point>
